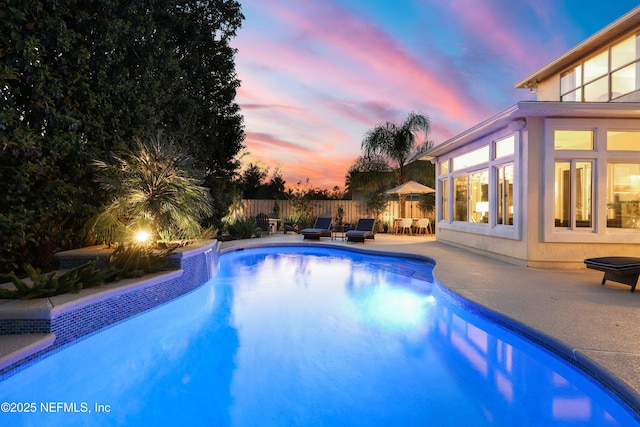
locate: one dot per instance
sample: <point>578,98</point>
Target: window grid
<point>587,82</point>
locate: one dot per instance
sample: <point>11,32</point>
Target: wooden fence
<point>353,209</point>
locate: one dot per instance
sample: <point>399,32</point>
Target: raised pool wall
<point>64,319</point>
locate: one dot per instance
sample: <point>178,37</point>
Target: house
<point>548,183</point>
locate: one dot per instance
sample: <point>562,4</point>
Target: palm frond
<point>152,186</point>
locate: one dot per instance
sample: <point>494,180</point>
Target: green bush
<point>125,262</point>
<point>244,229</point>
<point>151,188</point>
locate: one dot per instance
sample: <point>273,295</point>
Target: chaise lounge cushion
<point>364,230</point>
<point>619,269</point>
<point>322,228</point>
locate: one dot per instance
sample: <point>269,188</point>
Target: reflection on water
<point>513,380</point>
<point>312,337</point>
<point>446,364</point>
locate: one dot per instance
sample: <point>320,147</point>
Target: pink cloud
<point>382,58</point>
<point>316,75</point>
<point>268,142</point>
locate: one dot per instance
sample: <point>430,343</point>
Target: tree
<point>377,203</point>
<point>83,79</point>
<point>276,186</point>
<point>254,185</point>
<point>252,181</point>
<point>395,145</point>
<point>201,113</point>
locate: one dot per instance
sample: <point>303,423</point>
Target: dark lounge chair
<point>364,230</point>
<point>619,269</point>
<point>322,228</point>
<point>262,221</point>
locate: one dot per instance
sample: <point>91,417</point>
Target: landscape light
<point>142,236</point>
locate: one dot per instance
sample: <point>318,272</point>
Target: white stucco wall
<point>549,89</point>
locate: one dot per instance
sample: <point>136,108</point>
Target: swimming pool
<point>308,336</point>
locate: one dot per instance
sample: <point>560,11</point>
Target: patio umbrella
<point>410,188</point>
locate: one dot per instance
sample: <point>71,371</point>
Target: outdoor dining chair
<point>405,224</point>
<point>423,224</point>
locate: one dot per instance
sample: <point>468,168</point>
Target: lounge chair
<point>262,221</point>
<point>619,269</point>
<point>322,228</point>
<point>364,230</point>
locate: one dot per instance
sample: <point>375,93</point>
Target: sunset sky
<point>317,74</point>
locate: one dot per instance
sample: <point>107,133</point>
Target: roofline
<point>600,38</point>
<point>427,155</point>
<point>525,109</point>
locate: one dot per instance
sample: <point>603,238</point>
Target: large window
<point>478,191</point>
<point>472,197</point>
<point>505,147</point>
<point>504,201</point>
<point>444,190</point>
<point>623,195</point>
<point>479,196</point>
<point>461,199</point>
<point>591,191</point>
<point>623,140</point>
<point>573,140</point>
<point>473,158</point>
<point>573,194</point>
<point>609,74</point>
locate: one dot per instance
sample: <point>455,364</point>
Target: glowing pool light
<point>392,308</point>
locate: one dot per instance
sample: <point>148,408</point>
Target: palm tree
<point>151,188</point>
<point>397,144</point>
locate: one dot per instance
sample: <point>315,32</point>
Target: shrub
<point>244,229</point>
<point>126,261</point>
<point>153,189</point>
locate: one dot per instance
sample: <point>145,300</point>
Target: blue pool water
<point>308,337</point>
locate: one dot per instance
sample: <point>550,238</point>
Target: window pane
<point>625,80</point>
<point>583,194</point>
<point>444,167</point>
<point>479,196</point>
<point>573,140</point>
<point>571,80</point>
<point>623,195</point>
<point>624,52</point>
<point>575,96</point>
<point>505,195</point>
<point>597,91</point>
<point>623,141</point>
<point>444,190</point>
<point>472,158</point>
<point>461,212</point>
<point>562,199</point>
<point>596,66</point>
<point>505,147</point>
